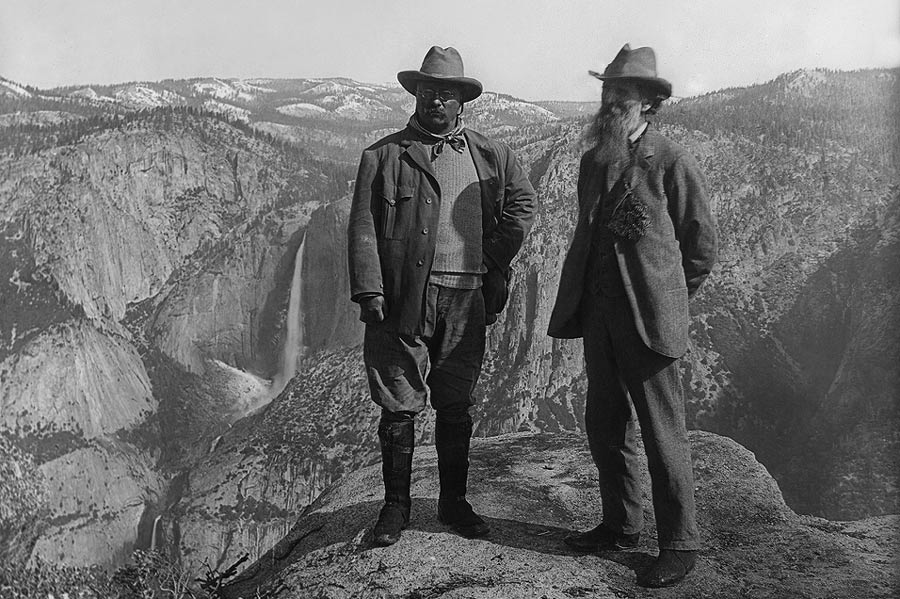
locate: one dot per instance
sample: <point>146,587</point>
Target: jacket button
<point>427,200</point>
<point>425,231</point>
<point>420,263</point>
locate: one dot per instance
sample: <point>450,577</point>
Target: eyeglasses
<point>444,95</point>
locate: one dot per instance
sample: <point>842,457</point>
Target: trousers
<point>441,366</point>
<point>629,385</point>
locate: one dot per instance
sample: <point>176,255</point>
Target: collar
<point>454,139</point>
<point>638,132</point>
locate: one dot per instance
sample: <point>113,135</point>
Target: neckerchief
<point>455,138</point>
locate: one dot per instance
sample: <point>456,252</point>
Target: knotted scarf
<point>455,138</point>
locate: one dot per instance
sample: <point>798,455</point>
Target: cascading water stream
<point>153,534</point>
<point>293,343</point>
<point>259,392</point>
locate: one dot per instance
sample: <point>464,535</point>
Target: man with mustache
<point>438,213</point>
<point>644,243</point>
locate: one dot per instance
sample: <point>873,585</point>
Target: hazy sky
<point>533,49</point>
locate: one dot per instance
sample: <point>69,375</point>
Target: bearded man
<point>644,243</point>
<point>438,213</point>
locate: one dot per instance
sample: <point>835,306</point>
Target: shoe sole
<point>386,541</point>
<point>668,584</point>
<point>461,532</point>
<point>602,549</point>
<point>471,535</point>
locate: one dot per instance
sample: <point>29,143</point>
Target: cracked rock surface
<point>535,488</point>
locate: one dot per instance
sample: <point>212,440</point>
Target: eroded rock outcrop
<point>246,493</point>
<point>69,399</point>
<point>97,496</point>
<point>533,489</point>
<point>74,378</point>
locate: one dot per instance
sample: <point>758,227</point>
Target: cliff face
<point>245,494</point>
<point>98,494</point>
<point>98,217</point>
<point>141,262</point>
<point>534,489</point>
<point>59,381</point>
<point>853,431</point>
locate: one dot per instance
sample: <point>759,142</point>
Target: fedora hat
<point>639,66</point>
<point>441,65</point>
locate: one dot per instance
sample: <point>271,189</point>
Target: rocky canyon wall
<point>143,287</point>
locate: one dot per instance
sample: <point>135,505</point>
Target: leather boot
<point>452,442</point>
<point>669,569</point>
<point>397,440</point>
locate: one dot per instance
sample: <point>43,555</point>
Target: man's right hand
<point>371,309</point>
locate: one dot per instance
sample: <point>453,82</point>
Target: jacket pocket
<point>395,211</point>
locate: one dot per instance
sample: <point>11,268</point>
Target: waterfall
<point>293,342</point>
<point>153,534</point>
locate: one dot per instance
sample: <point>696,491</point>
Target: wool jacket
<point>664,267</point>
<point>394,221</point>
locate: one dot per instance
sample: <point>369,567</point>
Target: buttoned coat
<point>393,223</point>
<point>662,269</point>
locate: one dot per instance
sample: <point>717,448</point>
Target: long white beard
<point>609,131</point>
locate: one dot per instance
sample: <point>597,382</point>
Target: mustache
<point>615,109</point>
<point>608,130</point>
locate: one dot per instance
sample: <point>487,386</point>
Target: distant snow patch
<point>8,88</point>
<point>233,112</point>
<point>302,109</point>
<point>490,102</point>
<point>328,87</point>
<point>38,117</point>
<point>356,106</point>
<point>232,89</point>
<point>139,95</point>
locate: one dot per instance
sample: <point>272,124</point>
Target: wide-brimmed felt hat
<point>441,65</point>
<point>638,65</point>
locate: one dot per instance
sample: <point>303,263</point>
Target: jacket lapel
<point>647,147</point>
<point>487,169</point>
<point>417,153</point>
<point>613,172</point>
<point>596,190</point>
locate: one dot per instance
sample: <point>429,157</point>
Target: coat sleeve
<point>516,216</point>
<point>362,254</point>
<point>695,226</point>
<point>583,168</point>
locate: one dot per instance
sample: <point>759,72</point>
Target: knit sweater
<point>458,260</point>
